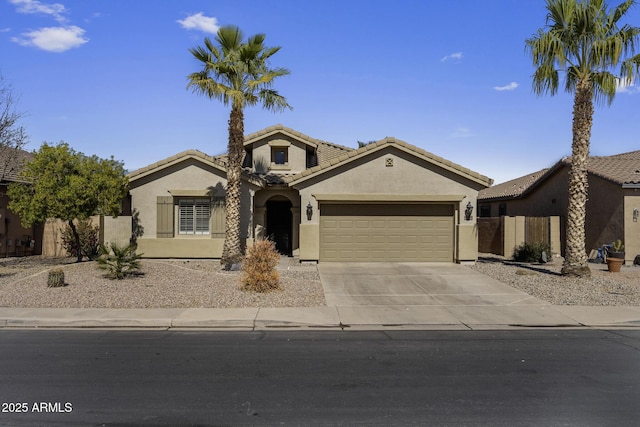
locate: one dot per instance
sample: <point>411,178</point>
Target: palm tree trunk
<point>231,251</point>
<point>575,260</point>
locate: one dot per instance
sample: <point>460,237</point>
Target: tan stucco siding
<point>632,228</point>
<point>297,153</point>
<point>371,175</point>
<point>188,177</point>
<point>260,200</point>
<point>396,173</point>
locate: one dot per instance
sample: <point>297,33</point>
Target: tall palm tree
<point>237,73</point>
<point>584,41</point>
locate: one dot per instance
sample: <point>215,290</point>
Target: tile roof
<point>374,146</point>
<point>329,155</point>
<point>11,163</point>
<point>325,150</point>
<point>620,169</point>
<point>214,161</point>
<point>513,188</point>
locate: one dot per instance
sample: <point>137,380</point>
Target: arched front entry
<point>280,224</point>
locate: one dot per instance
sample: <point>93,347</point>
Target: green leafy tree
<point>237,73</point>
<point>62,183</point>
<point>584,41</point>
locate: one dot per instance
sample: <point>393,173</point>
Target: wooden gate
<point>536,230</point>
<point>490,235</point>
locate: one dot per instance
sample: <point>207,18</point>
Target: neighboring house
<point>15,240</point>
<point>386,201</point>
<point>613,202</point>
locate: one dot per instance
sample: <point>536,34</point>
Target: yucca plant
<point>119,261</point>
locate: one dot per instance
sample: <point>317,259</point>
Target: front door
<point>279,225</point>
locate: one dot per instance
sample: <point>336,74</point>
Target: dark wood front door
<point>279,225</point>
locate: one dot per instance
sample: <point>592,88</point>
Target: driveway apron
<point>429,293</point>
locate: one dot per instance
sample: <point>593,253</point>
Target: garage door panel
<point>361,239</point>
<point>386,233</point>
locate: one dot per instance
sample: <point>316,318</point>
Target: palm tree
<point>238,74</point>
<point>584,41</point>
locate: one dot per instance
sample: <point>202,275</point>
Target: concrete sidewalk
<point>328,317</point>
<point>359,296</point>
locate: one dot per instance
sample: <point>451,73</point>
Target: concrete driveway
<point>429,293</point>
<point>413,284</point>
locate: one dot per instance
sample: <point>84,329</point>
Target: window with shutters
<point>194,216</point>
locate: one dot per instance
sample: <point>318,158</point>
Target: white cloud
<point>200,22</point>
<point>627,88</point>
<point>454,56</point>
<point>510,86</point>
<point>461,132</point>
<point>53,39</point>
<point>5,30</point>
<point>56,10</point>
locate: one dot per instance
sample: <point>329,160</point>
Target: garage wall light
<point>635,214</point>
<point>468,211</point>
<point>309,211</point>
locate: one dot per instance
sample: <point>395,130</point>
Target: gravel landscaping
<point>545,282</point>
<point>163,284</point>
<point>202,283</point>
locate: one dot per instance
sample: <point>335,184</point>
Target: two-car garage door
<point>389,232</point>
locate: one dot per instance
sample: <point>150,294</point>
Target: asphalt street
<point>547,377</point>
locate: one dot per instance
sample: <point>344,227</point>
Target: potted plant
<point>615,256</point>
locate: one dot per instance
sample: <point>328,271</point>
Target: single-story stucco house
<point>613,203</point>
<point>386,201</point>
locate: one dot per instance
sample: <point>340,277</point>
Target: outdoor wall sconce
<point>636,214</point>
<point>309,211</point>
<point>468,211</point>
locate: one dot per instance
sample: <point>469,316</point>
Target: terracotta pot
<point>614,264</point>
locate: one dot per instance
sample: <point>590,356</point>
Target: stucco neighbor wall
<point>52,236</point>
<point>408,176</point>
<point>115,230</point>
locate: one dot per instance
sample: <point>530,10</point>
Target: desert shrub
<point>530,252</point>
<point>55,279</point>
<point>259,267</point>
<point>119,261</point>
<point>89,243</point>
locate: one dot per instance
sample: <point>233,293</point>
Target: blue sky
<point>449,76</point>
